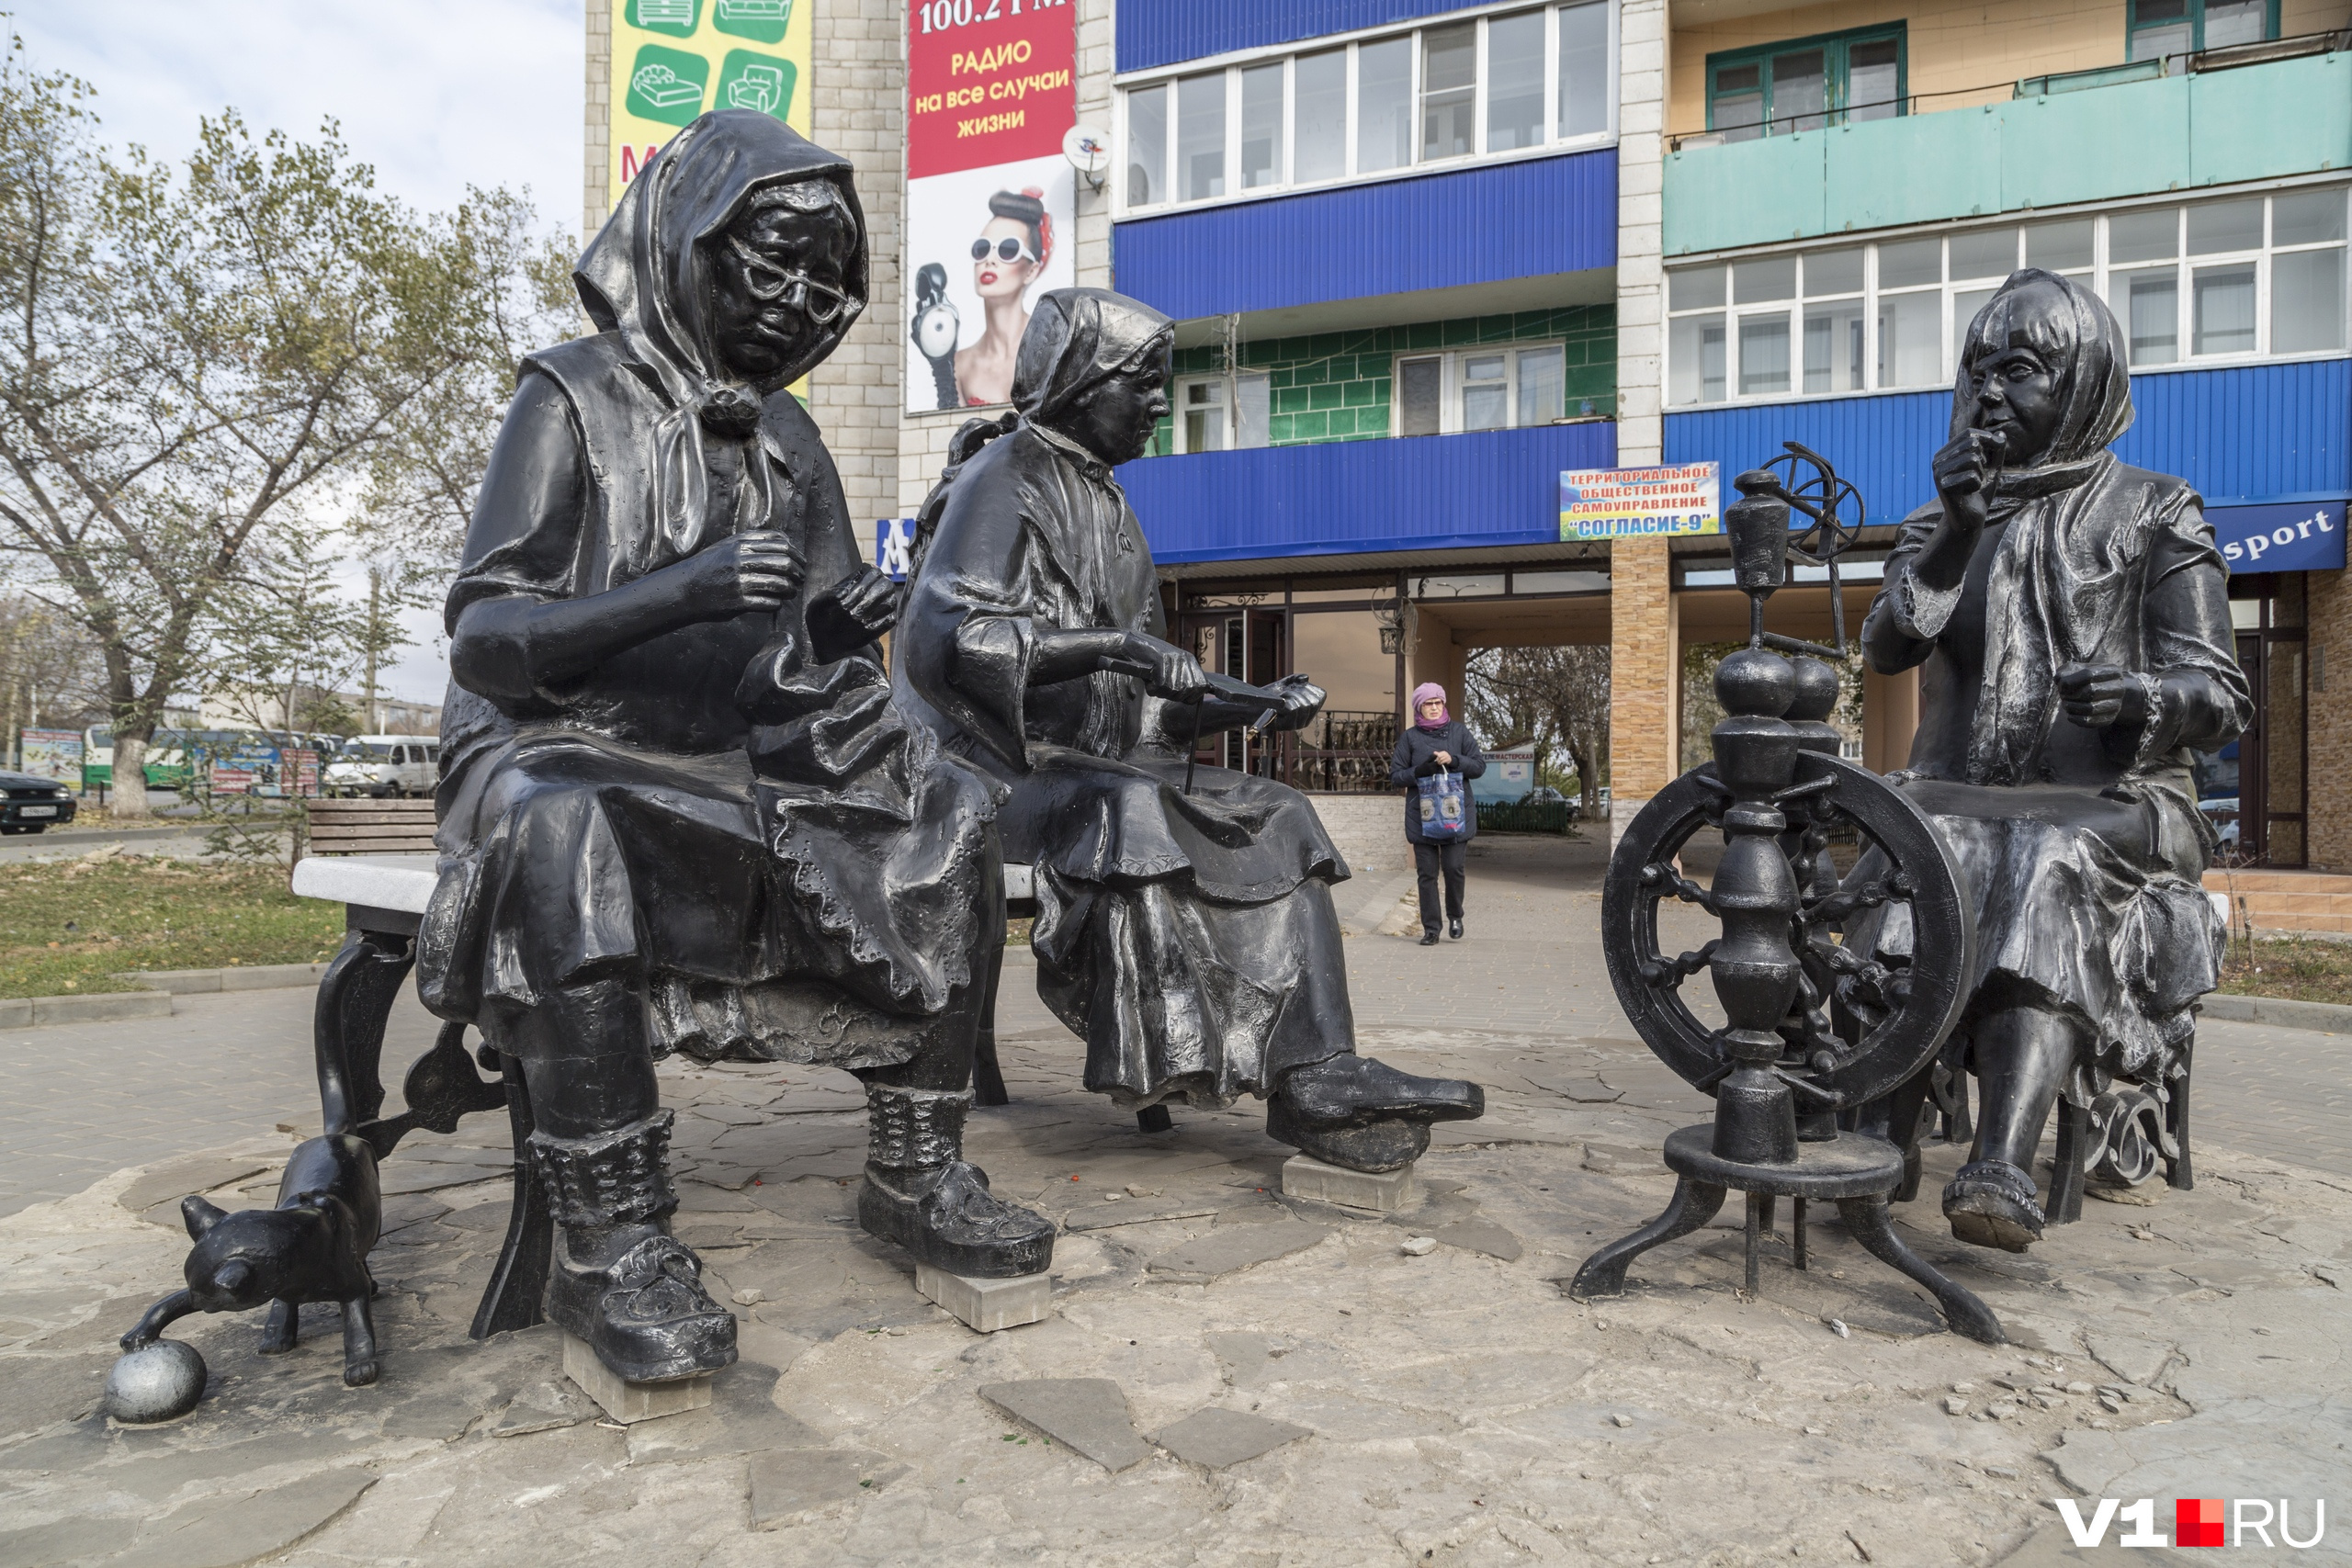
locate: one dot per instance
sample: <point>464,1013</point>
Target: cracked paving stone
<point>1229,1249</point>
<point>233,1528</point>
<point>788,1485</point>
<point>1482,1235</point>
<point>1086,1414</point>
<point>1215,1437</point>
<point>205,1173</point>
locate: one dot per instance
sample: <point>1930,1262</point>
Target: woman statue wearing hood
<point>1186,933</point>
<point>2072,618</point>
<point>677,809</point>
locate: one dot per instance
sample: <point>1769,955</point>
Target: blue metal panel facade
<point>1509,220</point>
<point>1348,497</point>
<point>1161,32</point>
<point>2250,432</point>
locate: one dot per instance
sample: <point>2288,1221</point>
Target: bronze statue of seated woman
<point>1185,927</point>
<point>2070,616</point>
<point>678,811</point>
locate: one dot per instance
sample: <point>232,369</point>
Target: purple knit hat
<point>1423,693</point>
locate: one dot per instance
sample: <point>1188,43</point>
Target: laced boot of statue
<point>1363,1114</point>
<point>920,1193</point>
<point>619,1279</point>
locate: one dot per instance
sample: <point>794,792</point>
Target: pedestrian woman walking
<point>1436,742</point>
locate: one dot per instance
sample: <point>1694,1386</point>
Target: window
<point>1803,84</point>
<point>1521,82</point>
<point>1204,415</point>
<point>1218,413</point>
<point>1498,388</point>
<point>1515,82</point>
<point>2229,279</point>
<point>1200,136</point>
<point>2159,28</point>
<point>1261,126</point>
<point>1148,146</point>
<point>1319,88</point>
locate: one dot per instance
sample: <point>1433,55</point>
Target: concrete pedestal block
<point>987,1304</point>
<point>627,1402</point>
<point>1382,1194</point>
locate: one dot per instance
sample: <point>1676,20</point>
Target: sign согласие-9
<point>1634,503</point>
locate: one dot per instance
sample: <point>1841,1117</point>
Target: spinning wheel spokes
<point>1861,1024</point>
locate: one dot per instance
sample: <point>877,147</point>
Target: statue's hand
<point>1302,700</point>
<point>871,599</point>
<point>1174,674</point>
<point>2097,696</point>
<point>1964,470</point>
<point>747,572</point>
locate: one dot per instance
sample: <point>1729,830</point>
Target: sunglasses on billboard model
<point>1006,248</point>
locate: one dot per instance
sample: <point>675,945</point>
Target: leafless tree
<point>196,362</point>
<point>1557,696</point>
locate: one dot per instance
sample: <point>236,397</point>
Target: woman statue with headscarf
<point>1187,934</point>
<point>677,809</point>
<point>2071,617</point>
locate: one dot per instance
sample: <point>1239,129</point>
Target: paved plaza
<point>1266,1382</point>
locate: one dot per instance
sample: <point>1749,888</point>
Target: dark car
<point>27,805</point>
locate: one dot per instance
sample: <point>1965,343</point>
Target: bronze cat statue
<point>312,1247</point>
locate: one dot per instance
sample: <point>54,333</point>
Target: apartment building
<point>1429,256</point>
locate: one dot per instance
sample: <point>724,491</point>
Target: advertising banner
<point>992,203</point>
<point>2295,536</point>
<point>1635,504</point>
<point>673,59</point>
<point>53,754</point>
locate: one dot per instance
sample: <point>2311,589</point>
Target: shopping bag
<point>1445,808</point>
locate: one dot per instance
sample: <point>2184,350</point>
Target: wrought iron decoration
<point>1812,1029</point>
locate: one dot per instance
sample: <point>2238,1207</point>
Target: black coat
<point>1415,759</point>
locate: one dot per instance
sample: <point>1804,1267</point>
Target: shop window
<point>1806,83</point>
<point>1496,85</point>
<point>2158,27</point>
<point>1498,388</point>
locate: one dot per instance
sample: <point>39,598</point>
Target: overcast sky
<point>437,94</point>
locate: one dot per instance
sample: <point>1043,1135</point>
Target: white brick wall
<point>596,143</point>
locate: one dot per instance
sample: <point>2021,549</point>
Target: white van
<point>384,765</point>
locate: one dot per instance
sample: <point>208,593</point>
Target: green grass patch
<point>2296,969</point>
<point>67,930</point>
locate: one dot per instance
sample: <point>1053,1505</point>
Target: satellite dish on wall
<point>1089,151</point>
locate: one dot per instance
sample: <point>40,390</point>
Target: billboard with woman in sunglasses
<point>990,202</point>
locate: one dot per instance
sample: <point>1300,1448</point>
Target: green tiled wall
<point>1335,386</point>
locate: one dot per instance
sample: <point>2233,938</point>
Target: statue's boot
<point>619,1280</point>
<point>1992,1203</point>
<point>1363,1114</point>
<point>920,1193</point>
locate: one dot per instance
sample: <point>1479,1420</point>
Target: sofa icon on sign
<point>760,87</point>
<point>661,86</point>
<point>778,11</point>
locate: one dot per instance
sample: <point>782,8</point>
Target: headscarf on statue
<point>2079,524</point>
<point>646,275</point>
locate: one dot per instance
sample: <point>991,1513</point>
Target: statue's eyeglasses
<point>821,302</point>
<point>1007,249</point>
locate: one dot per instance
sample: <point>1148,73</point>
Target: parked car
<point>28,805</point>
<point>384,765</point>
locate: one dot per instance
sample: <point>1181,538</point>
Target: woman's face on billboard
<point>992,276</point>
